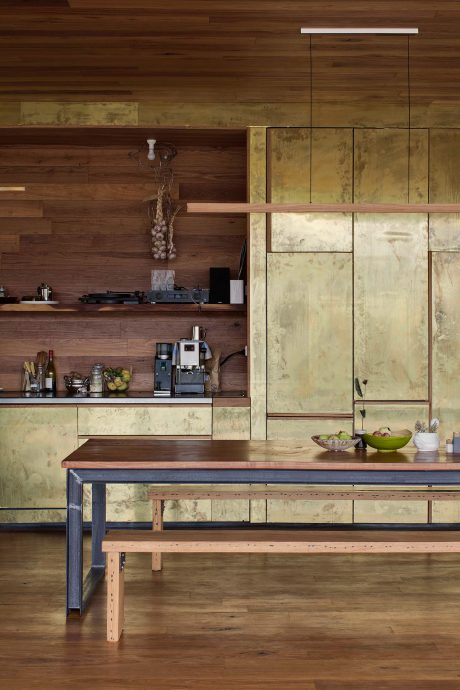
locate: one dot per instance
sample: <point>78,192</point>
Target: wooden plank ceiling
<point>234,51</point>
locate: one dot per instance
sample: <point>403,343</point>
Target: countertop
<point>128,398</point>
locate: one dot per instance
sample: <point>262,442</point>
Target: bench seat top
<point>263,492</point>
<point>283,541</point>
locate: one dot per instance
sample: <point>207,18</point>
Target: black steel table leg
<point>98,525</point>
<point>74,541</point>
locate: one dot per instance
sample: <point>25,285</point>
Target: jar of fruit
<point>117,379</point>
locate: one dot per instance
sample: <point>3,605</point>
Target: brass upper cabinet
<point>445,187</point>
<point>390,274</point>
<point>298,159</point>
<point>309,328</point>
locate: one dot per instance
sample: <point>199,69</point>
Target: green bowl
<point>385,444</point>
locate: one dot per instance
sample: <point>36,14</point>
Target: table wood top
<point>245,455</point>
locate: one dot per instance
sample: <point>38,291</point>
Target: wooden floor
<point>223,622</point>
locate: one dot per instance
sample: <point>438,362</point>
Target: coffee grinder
<point>163,370</point>
<point>190,356</point>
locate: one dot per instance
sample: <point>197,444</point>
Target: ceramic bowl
<point>335,444</point>
<point>398,439</point>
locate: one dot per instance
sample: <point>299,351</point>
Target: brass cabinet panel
<point>309,359</point>
<point>446,341</point>
<point>418,166</point>
<point>289,164</point>
<point>404,512</point>
<point>311,232</point>
<point>156,420</point>
<point>396,416</point>
<point>391,305</point>
<point>326,512</point>
<point>400,416</point>
<point>444,187</point>
<point>231,423</point>
<point>79,114</point>
<point>331,152</point>
<point>302,429</point>
<point>381,165</point>
<point>221,114</point>
<point>257,283</point>
<point>33,441</point>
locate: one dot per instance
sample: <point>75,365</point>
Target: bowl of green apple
<point>335,442</point>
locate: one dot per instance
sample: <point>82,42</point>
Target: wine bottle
<point>50,374</point>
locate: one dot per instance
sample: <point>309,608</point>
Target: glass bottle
<point>50,374</point>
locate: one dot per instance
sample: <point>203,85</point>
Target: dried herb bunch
<point>162,212</point>
<point>360,389</point>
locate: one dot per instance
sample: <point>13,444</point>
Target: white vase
<point>426,441</point>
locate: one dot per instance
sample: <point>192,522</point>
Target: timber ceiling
<point>245,52</point>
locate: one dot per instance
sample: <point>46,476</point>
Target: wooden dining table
<point>125,461</point>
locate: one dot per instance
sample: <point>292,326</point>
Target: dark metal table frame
<point>79,589</point>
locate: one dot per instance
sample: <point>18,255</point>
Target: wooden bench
<point>263,492</point>
<point>117,544</point>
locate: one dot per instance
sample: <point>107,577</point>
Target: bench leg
<point>157,526</point>
<point>115,596</point>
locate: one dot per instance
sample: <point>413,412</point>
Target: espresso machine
<point>189,357</point>
<point>163,370</point>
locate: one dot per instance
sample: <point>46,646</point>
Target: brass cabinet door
<point>309,333</point>
<point>33,441</point>
<point>314,165</point>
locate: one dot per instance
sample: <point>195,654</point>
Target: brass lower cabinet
<point>33,441</point>
<point>231,423</point>
<point>302,429</point>
<point>154,420</point>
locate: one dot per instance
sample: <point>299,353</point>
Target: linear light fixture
<point>12,189</point>
<point>390,31</point>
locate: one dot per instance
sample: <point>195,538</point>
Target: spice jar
<point>96,382</point>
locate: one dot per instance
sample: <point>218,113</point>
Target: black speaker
<point>219,285</point>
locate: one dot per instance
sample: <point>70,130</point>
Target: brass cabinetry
<point>33,441</point>
<point>301,159</point>
<point>309,334</point>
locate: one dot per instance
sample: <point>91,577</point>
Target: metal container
<point>76,384</point>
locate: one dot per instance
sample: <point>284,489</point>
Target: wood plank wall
<point>137,62</point>
<point>82,226</point>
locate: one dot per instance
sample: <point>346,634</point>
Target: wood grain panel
<point>309,359</point>
<point>92,227</point>
<point>243,63</point>
<point>331,152</point>
<point>391,305</point>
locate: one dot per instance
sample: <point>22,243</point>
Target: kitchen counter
<point>128,398</point>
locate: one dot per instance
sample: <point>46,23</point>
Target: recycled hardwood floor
<point>239,622</point>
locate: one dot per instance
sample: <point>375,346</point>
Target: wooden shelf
<point>144,309</point>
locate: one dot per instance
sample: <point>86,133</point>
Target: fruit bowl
<point>335,444</point>
<point>385,444</point>
<point>117,379</point>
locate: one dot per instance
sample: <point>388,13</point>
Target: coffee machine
<point>190,356</point>
<point>163,370</point>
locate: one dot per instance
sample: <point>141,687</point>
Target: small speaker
<point>219,285</point>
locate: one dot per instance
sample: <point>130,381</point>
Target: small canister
<point>96,382</point>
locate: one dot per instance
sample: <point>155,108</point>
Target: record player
<point>110,297</point>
